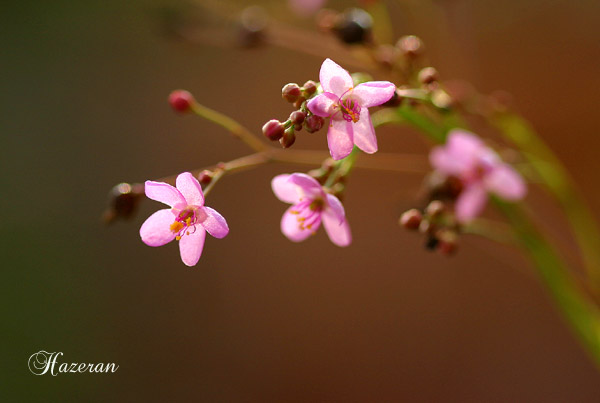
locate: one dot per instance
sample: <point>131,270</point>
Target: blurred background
<point>260,318</point>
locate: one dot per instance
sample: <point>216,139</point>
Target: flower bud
<point>428,75</point>
<point>288,139</point>
<point>448,241</point>
<point>273,129</point>
<point>354,26</point>
<point>309,88</point>
<point>411,46</point>
<point>291,92</point>
<point>435,209</point>
<point>395,100</point>
<point>124,199</point>
<point>411,219</point>
<point>181,100</point>
<point>314,123</point>
<point>297,117</point>
<point>205,177</point>
<point>299,102</point>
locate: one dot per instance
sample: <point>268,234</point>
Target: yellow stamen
<point>176,226</point>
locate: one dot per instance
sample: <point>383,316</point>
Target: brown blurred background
<point>260,318</point>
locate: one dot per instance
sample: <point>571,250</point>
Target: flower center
<point>350,110</point>
<point>308,214</point>
<point>185,221</point>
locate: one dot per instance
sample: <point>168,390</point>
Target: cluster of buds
<point>438,225</point>
<point>285,132</point>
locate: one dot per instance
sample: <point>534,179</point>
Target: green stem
<point>231,125</point>
<point>557,180</point>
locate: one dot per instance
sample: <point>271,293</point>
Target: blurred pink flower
<point>187,219</point>
<point>311,205</point>
<point>346,105</point>
<point>306,7</point>
<point>480,170</point>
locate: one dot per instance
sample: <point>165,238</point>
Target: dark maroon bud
<point>309,88</point>
<point>252,24</point>
<point>273,129</point>
<point>431,243</point>
<point>205,177</point>
<point>395,100</point>
<point>299,102</point>
<point>124,200</point>
<point>428,75</point>
<point>411,219</point>
<point>435,209</point>
<point>354,26</point>
<point>410,46</point>
<point>297,118</point>
<point>448,241</point>
<point>291,92</point>
<point>288,139</point>
<point>314,123</point>
<point>181,100</point>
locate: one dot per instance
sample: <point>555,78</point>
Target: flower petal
<point>215,223</point>
<point>290,227</point>
<point>285,190</point>
<point>190,246</point>
<point>448,163</point>
<point>506,182</point>
<point>335,207</point>
<point>470,202</point>
<point>322,104</point>
<point>190,189</point>
<point>340,138</point>
<point>307,185</point>
<point>164,193</point>
<point>364,133</point>
<point>374,93</point>
<point>338,232</point>
<point>334,78</point>
<point>156,230</point>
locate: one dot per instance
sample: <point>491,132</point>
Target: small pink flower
<point>187,219</point>
<point>480,170</point>
<point>311,205</point>
<point>346,105</point>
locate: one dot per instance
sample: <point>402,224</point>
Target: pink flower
<point>306,7</point>
<point>187,219</point>
<point>311,205</point>
<point>480,170</point>
<point>350,122</point>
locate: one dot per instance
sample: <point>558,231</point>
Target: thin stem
<point>231,125</point>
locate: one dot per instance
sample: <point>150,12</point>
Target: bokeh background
<point>84,88</point>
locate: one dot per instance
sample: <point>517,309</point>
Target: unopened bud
<point>314,123</point>
<point>395,100</point>
<point>448,241</point>
<point>205,177</point>
<point>309,88</point>
<point>299,102</point>
<point>181,100</point>
<point>435,209</point>
<point>411,219</point>
<point>354,26</point>
<point>428,75</point>
<point>291,92</point>
<point>273,129</point>
<point>288,139</point>
<point>124,199</point>
<point>297,118</point>
<point>410,46</point>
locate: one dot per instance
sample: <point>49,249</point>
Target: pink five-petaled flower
<point>480,170</point>
<point>346,106</point>
<point>187,219</point>
<point>311,205</point>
